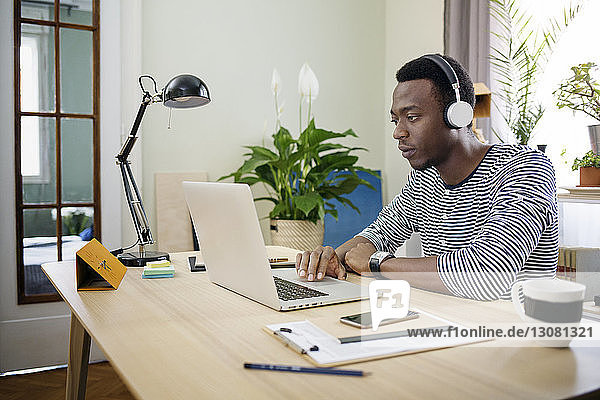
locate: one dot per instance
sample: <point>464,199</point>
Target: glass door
<point>56,136</point>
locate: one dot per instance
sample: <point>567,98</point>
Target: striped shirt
<point>498,226</point>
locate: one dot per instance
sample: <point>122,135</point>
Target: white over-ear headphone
<point>460,113</point>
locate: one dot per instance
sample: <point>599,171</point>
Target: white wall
<point>412,28</point>
<point>233,45</point>
<point>131,69</point>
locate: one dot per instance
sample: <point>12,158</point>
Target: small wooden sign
<point>97,268</point>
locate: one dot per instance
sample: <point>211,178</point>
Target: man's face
<point>423,137</point>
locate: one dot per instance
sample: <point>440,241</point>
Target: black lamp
<point>183,91</point>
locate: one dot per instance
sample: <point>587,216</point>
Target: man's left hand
<point>358,257</point>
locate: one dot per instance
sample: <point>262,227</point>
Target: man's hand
<point>318,263</point>
<point>358,257</point>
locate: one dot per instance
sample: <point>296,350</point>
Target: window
<point>564,132</point>
<point>30,89</point>
<point>34,142</point>
<point>56,136</point>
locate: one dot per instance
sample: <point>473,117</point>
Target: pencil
<point>306,370</point>
<point>278,259</point>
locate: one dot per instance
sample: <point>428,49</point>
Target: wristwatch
<point>376,259</point>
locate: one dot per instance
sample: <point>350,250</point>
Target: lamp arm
<point>134,199</point>
<point>130,142</point>
<point>136,207</point>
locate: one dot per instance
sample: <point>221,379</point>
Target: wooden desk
<point>186,338</point>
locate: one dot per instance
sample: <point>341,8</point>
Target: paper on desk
<point>331,352</point>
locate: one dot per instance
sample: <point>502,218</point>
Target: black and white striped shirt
<point>498,226</point>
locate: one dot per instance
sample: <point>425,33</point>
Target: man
<point>487,215</point>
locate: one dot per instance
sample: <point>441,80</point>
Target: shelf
<point>579,198</point>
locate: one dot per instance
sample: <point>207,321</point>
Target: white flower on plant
<point>276,82</point>
<point>280,110</point>
<point>308,85</point>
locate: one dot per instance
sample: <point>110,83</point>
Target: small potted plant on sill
<point>581,92</point>
<point>589,169</point>
<point>302,175</point>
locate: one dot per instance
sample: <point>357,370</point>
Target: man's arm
<point>521,211</point>
<point>419,272</point>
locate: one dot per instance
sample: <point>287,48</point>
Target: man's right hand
<point>316,264</point>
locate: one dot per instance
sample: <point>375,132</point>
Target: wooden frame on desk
<point>199,334</point>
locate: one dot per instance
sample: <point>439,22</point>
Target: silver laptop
<point>235,255</point>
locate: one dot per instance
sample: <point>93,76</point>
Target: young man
<point>487,215</point>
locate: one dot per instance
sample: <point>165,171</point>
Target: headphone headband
<point>460,113</point>
<point>448,71</point>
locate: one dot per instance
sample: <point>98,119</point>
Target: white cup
<point>553,301</point>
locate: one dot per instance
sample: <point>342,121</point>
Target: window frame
<point>58,116</point>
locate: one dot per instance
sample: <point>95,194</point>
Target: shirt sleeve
<point>396,222</point>
<point>523,207</point>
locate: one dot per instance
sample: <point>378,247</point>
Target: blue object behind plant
<point>87,234</point>
<point>350,222</point>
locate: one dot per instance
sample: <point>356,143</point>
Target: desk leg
<point>79,356</point>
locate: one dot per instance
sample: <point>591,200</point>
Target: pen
<point>306,370</point>
<point>388,335</point>
<point>289,342</point>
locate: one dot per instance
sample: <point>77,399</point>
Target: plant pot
<point>594,131</point>
<point>589,176</point>
<point>297,234</point>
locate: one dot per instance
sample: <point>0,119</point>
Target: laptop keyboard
<point>287,290</point>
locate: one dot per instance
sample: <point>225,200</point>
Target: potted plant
<point>302,174</point>
<point>589,169</point>
<point>518,56</point>
<point>581,92</point>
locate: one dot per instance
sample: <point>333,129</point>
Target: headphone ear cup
<point>446,120</point>
<point>458,115</point>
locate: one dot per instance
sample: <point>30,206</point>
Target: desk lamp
<point>183,91</point>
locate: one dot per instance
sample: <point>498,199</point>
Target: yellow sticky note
<point>158,264</point>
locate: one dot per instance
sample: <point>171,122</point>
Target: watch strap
<point>377,258</point>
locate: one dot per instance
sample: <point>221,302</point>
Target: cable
<point>122,249</point>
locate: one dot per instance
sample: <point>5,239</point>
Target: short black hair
<point>424,68</point>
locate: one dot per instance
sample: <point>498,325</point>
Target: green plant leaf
<point>283,142</point>
<point>260,152</point>
<point>588,160</point>
<point>265,172</point>
<point>249,180</point>
<point>278,211</point>
<point>307,202</point>
<point>275,201</point>
<point>333,213</point>
<point>251,164</point>
<point>369,171</point>
<point>297,176</point>
<point>580,92</point>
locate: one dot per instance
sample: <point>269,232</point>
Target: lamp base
<point>134,259</point>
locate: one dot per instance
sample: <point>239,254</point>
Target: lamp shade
<point>185,91</point>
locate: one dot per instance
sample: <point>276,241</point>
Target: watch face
<point>381,255</point>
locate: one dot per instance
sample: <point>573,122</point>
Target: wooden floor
<point>102,384</point>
